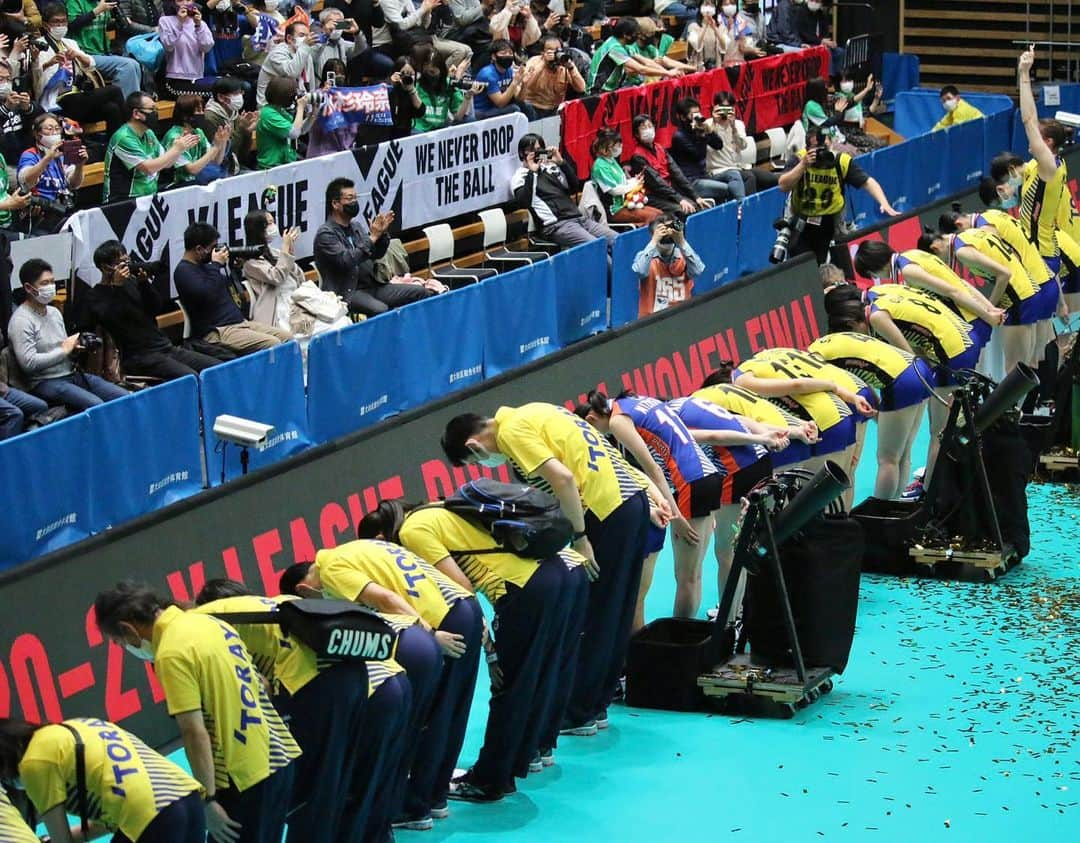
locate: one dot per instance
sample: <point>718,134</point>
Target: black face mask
<point>350,209</point>
<point>503,62</point>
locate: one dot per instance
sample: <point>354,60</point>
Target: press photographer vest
<point>820,191</point>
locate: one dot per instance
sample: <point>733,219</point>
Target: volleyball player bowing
<point>236,743</point>
<point>607,503</point>
<point>535,602</point>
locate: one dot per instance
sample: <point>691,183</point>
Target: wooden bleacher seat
<point>93,175</point>
<point>678,51</point>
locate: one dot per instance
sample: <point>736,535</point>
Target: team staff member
<point>388,578</point>
<point>904,382</point>
<point>349,719</point>
<point>236,743</point>
<point>13,827</point>
<point>1025,300</point>
<point>607,503</point>
<point>739,448</point>
<point>532,601</point>
<point>130,789</point>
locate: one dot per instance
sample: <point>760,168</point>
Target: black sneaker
<point>465,790</point>
<point>407,823</point>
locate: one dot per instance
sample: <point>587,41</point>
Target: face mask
<point>335,35</point>
<point>617,152</point>
<point>350,209</point>
<point>648,135</point>
<point>236,102</point>
<point>44,295</point>
<point>813,7</point>
<point>58,32</point>
<point>272,5</point>
<point>1010,202</point>
<point>271,232</point>
<point>5,89</point>
<point>847,87</point>
<point>729,9</point>
<point>708,11</point>
<point>49,141</point>
<point>504,61</point>
<point>143,652</point>
<point>1016,182</point>
<point>950,105</point>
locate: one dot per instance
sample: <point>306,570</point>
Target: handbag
<point>322,304</point>
<point>336,630</point>
<point>146,49</point>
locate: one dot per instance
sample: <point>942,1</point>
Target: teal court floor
<point>956,720</point>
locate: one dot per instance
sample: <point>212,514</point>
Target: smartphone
<point>331,79</point>
<point>71,151</point>
<point>346,25</point>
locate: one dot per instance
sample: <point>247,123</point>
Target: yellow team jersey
<point>532,434</point>
<point>1040,206</point>
<point>202,664</point>
<point>1069,246</point>
<point>825,409</point>
<point>809,366</point>
<point>871,359</point>
<point>743,402</point>
<point>127,783</point>
<point>940,270</point>
<point>13,828</point>
<point>1010,231</point>
<point>349,568</point>
<point>924,320</point>
<point>1021,286</point>
<point>820,192</point>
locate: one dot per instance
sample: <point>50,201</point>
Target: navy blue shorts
<point>909,388</point>
<point>1040,306</point>
<point>654,541</point>
<point>868,393</point>
<point>980,332</point>
<point>837,438</point>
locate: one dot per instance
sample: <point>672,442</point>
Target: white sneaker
<point>536,765</point>
<point>440,812</point>
<point>547,757</point>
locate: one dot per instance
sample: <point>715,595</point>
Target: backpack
<point>523,520</point>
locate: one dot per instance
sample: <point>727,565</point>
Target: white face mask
<point>5,89</point>
<point>812,6</point>
<point>708,11</point>
<point>49,141</point>
<point>44,295</point>
<point>950,105</point>
<point>648,135</point>
<point>271,232</point>
<point>335,35</point>
<point>236,101</point>
<point>58,32</point>
<point>729,9</point>
<point>616,153</point>
<point>272,5</point>
<point>144,652</point>
<point>847,87</point>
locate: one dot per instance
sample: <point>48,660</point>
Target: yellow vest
<point>820,191</point>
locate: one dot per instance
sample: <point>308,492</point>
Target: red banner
<point>769,92</point>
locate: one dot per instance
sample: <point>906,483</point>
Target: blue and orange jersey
<point>697,414</point>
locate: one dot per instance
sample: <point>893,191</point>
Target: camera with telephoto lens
<point>62,205</point>
<point>143,270</point>
<point>785,227</point>
<point>465,83</point>
<point>677,224</point>
<point>562,57</point>
<point>246,253</point>
<point>88,343</point>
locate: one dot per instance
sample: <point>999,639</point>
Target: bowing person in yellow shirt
<point>236,743</point>
<point>534,601</point>
<point>388,578</point>
<point>129,789</point>
<point>608,506</point>
<point>348,717</point>
<point>13,828</point>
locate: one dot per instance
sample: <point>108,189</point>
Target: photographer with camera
<point>690,146</point>
<point>125,304</point>
<point>447,95</point>
<point>548,77</point>
<point>52,170</point>
<point>724,163</point>
<point>667,266</point>
<point>10,205</point>
<point>816,180</point>
<point>405,103</point>
<point>285,117</point>
<point>45,351</point>
<point>503,82</point>
<point>209,296</point>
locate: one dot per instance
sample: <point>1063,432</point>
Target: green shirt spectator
<point>89,30</point>
<point>272,137</point>
<point>5,196</point>
<point>180,173</point>
<point>606,69</point>
<point>126,150</point>
<point>608,174</point>
<point>439,108</point>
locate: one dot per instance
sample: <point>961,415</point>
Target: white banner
<point>423,178</point>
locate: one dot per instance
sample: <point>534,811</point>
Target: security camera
<point>243,432</point>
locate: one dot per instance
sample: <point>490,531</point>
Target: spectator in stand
<point>44,350</point>
<point>467,25</point>
<point>226,108</point>
<point>206,292</point>
<point>88,22</point>
<point>126,305</point>
<point>666,185</point>
<point>345,255</point>
<point>142,15</point>
<point>814,28</point>
<point>134,157</point>
<point>725,163</point>
<point>292,59</point>
<point>548,77</point>
<point>17,408</point>
<point>614,186</point>
<point>503,82</point>
<point>347,44</point>
<point>853,118</point>
<point>612,60</point>
<point>59,78</point>
<point>9,204</point>
<point>816,108</point>
<point>279,128</point>
<point>266,21</point>
<point>40,167</point>
<point>676,9</point>
<point>645,49</point>
<point>738,34</point>
<point>202,163</point>
<point>782,30</point>
<point>443,102</point>
<point>322,141</point>
<point>666,267</point>
<point>405,103</point>
<point>705,40</point>
<point>956,109</point>
<point>187,39</point>
<point>690,146</point>
<point>17,114</point>
<point>408,24</point>
<point>516,23</point>
<point>545,184</point>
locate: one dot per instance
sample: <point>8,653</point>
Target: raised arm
<point>1030,117</point>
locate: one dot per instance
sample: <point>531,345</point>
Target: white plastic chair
<point>187,320</point>
<point>441,259</point>
<point>495,249</point>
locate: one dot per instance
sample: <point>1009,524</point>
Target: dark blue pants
<point>420,655</point>
<point>184,821</point>
<point>619,544</point>
<point>261,809</point>
<point>575,602</point>
<point>529,626</point>
<point>437,753</point>
<point>384,735</point>
<point>326,717</point>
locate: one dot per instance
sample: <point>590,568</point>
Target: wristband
<point>579,536</point>
<point>209,799</point>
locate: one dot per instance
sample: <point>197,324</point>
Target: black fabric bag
<point>523,520</point>
<point>337,630</point>
<point>821,566</point>
<point>80,781</point>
